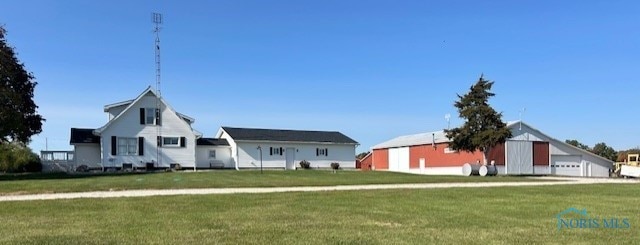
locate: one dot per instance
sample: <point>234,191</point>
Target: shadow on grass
<point>50,176</point>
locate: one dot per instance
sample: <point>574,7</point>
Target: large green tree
<point>483,127</point>
<point>577,143</point>
<point>18,117</point>
<point>605,151</point>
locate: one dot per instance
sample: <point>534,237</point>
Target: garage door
<point>399,159</point>
<point>568,165</point>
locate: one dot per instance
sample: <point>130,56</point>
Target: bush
<point>335,165</point>
<point>17,158</point>
<point>305,164</point>
<point>82,168</point>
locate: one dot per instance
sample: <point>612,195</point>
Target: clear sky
<point>373,70</point>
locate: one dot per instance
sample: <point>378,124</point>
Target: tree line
<point>603,150</point>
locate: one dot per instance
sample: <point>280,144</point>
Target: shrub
<point>305,164</point>
<point>335,165</point>
<point>16,158</point>
<point>82,168</point>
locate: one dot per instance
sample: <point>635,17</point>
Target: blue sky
<point>373,70</point>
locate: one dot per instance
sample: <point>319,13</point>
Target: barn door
<point>519,157</point>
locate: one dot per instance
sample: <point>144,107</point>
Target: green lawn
<point>55,183</point>
<point>505,215</point>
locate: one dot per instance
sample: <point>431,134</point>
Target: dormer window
<point>149,116</point>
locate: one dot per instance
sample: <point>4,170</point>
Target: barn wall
<point>366,163</point>
<point>497,154</point>
<point>380,159</point>
<point>436,157</point>
<point>540,153</point>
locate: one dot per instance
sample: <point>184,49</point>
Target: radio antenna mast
<point>157,20</point>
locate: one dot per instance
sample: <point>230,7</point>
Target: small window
<point>275,150</point>
<point>212,154</point>
<point>322,152</point>
<point>171,141</point>
<point>449,150</point>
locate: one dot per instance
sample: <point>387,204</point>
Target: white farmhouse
<point>147,132</point>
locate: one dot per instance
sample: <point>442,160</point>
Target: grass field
<point>506,215</point>
<point>55,183</point>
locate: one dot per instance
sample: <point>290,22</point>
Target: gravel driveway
<point>210,191</point>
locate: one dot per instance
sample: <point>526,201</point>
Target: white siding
<point>128,125</point>
<point>598,170</point>
<point>539,169</point>
<point>87,154</point>
<point>525,133</point>
<point>114,111</point>
<point>234,149</point>
<point>248,155</point>
<point>223,156</point>
<point>435,171</point>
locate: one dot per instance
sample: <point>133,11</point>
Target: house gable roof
<point>130,105</point>
<point>212,141</point>
<point>117,104</point>
<point>285,135</point>
<point>83,135</point>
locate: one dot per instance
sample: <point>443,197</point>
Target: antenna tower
<point>157,20</point>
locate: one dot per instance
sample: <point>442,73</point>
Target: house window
<point>275,150</point>
<point>171,141</point>
<point>150,116</point>
<point>449,150</point>
<point>322,152</point>
<point>212,154</point>
<point>127,146</point>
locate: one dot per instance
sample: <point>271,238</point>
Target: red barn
<point>528,152</point>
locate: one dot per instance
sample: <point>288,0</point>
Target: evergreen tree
<point>18,117</point>
<point>483,127</point>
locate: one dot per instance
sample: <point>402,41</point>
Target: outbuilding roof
<point>83,135</point>
<point>414,139</point>
<point>421,139</point>
<point>285,135</point>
